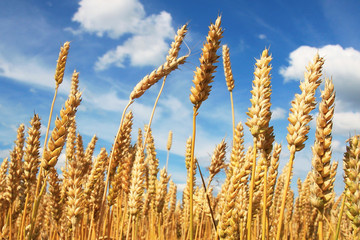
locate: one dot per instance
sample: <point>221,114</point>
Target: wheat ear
<point>258,121</point>
<point>352,186</point>
<point>299,118</point>
<point>31,161</point>
<point>168,147</point>
<point>323,181</point>
<point>56,142</point>
<point>202,79</point>
<point>217,161</point>
<point>229,79</point>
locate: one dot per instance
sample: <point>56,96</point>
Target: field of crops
<point>121,193</point>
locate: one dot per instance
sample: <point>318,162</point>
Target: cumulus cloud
<point>146,44</point>
<point>341,65</point>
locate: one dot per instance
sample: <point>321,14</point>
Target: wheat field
<point>122,193</point>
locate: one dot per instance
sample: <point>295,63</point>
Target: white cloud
<point>113,17</point>
<point>146,44</point>
<point>339,62</point>
<point>341,65</point>
<point>278,113</point>
<point>346,123</point>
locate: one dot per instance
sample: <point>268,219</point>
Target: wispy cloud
<point>146,44</point>
<point>25,69</point>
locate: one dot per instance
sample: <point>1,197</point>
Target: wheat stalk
<point>229,79</point>
<point>299,118</point>
<point>323,182</point>
<point>200,92</point>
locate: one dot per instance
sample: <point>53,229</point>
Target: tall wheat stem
<point>264,215</point>
<point>191,230</point>
<point>251,191</point>
<point>340,217</point>
<point>153,111</point>
<point>232,112</point>
<point>285,190</point>
<point>320,227</point>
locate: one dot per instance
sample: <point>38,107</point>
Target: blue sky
<point>115,43</point>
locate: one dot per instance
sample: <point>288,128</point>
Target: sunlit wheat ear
<point>258,122</point>
<point>227,68</point>
<point>96,172</point>
<point>59,133</point>
<point>237,182</point>
<point>200,92</point>
<point>32,153</point>
<point>204,74</point>
<point>155,76</point>
<point>88,157</point>
<point>172,201</point>
<point>352,186</point>
<point>259,112</point>
<point>3,170</point>
<point>302,105</point>
<point>299,118</point>
<point>168,147</point>
<point>169,141</point>
<point>75,206</point>
<point>161,190</point>
<point>237,152</point>
<point>56,206</point>
<point>217,160</point>
<point>153,163</point>
<point>176,44</point>
<point>273,172</point>
<point>122,143</point>
<point>60,66</point>
<point>137,184</point>
<point>14,176</point>
<point>323,183</point>
<point>229,80</point>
